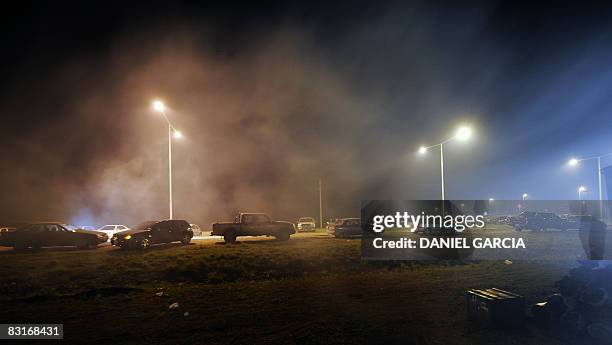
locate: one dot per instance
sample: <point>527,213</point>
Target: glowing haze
<point>297,97</point>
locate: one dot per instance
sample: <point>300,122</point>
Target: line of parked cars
<point>542,221</point>
<point>53,234</point>
<point>48,234</point>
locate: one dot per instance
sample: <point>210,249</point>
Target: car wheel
<point>145,243</point>
<point>186,239</point>
<point>283,235</point>
<point>229,236</point>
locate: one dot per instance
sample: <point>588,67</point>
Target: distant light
<point>525,195</point>
<point>491,199</point>
<point>159,106</point>
<point>463,133</point>
<point>177,135</point>
<point>582,189</point>
<point>422,150</point>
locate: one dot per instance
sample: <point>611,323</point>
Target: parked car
<point>538,221</point>
<point>332,223</point>
<point>197,231</point>
<point>87,227</point>
<point>7,229</point>
<point>347,227</point>
<point>436,230</point>
<point>154,232</point>
<point>38,235</point>
<point>305,224</point>
<point>111,229</point>
<point>583,222</point>
<point>253,224</point>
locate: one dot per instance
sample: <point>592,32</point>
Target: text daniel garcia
<point>450,243</point>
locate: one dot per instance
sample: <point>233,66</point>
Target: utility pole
<point>170,164</point>
<point>320,205</point>
<point>599,173</point>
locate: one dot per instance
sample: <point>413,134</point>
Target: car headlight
<point>127,237</point>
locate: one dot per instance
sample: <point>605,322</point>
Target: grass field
<point>312,289</point>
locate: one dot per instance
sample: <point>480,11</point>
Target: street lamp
<point>463,133</point>
<point>159,107</point>
<point>525,196</point>
<point>575,161</point>
<point>581,190</point>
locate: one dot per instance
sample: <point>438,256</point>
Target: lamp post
<point>576,161</point>
<point>463,133</point>
<point>320,203</point>
<point>172,132</point>
<point>581,190</point>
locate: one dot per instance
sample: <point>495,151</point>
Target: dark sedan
<point>38,235</point>
<point>347,227</point>
<point>154,232</point>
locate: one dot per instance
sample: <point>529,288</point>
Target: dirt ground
<point>313,289</point>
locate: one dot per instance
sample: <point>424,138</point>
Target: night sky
<point>271,97</point>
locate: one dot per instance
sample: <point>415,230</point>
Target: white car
<point>306,224</point>
<point>111,229</point>
<point>197,231</point>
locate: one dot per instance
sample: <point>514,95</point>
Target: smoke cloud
<point>260,128</point>
<point>285,104</point>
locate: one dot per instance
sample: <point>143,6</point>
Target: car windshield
<point>145,225</point>
<point>70,227</point>
<point>306,219</point>
<point>108,227</point>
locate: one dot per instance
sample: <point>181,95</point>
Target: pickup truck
<point>253,224</point>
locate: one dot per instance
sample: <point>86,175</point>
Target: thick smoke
<point>260,128</point>
<point>267,115</point>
